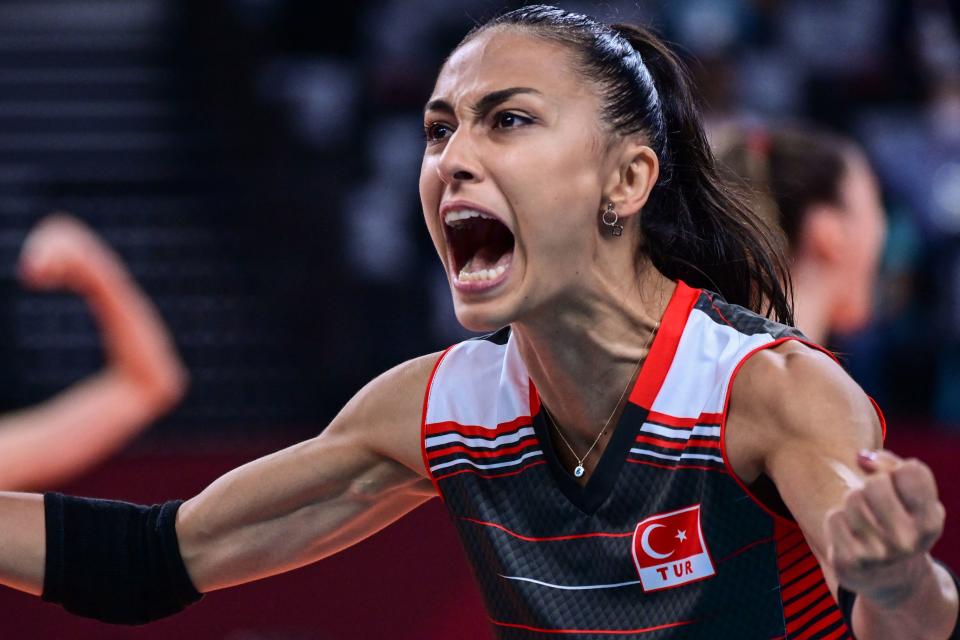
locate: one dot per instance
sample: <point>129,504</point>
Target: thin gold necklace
<point>579,469</point>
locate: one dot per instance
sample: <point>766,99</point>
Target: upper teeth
<point>464,214</point>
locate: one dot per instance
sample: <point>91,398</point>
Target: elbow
<point>170,387</point>
<point>162,389</point>
<point>200,547</point>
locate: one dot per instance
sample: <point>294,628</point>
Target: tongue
<point>486,258</point>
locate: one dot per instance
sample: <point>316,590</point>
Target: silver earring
<point>610,219</point>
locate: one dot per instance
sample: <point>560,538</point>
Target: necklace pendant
<point>578,471</point>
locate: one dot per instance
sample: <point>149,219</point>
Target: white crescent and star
<point>645,543</point>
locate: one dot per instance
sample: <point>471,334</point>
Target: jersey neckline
<point>589,497</point>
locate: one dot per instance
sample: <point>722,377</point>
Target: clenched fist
<point>62,252</point>
<point>877,540</point>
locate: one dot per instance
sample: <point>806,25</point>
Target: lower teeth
<point>483,274</point>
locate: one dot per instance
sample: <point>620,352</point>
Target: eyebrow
<point>484,104</point>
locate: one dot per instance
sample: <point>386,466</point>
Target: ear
<point>822,236</point>
<point>632,178</point>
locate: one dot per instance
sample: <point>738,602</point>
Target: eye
<point>510,120</point>
<point>434,131</point>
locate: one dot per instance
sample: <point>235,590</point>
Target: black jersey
<point>664,541</point>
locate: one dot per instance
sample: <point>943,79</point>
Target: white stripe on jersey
<point>495,465</point>
<point>572,587</point>
<point>446,438</point>
<point>695,456</point>
<point>679,433</point>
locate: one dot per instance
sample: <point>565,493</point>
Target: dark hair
<point>695,226</point>
<point>788,168</point>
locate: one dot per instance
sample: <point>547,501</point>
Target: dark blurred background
<point>255,163</point>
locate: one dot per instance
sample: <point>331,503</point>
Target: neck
<point>583,352</point>
<point>812,295</point>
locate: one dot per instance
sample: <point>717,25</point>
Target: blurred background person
<point>819,189</point>
<point>44,445</point>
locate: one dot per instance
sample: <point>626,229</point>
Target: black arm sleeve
<point>846,599</point>
<point>114,561</point>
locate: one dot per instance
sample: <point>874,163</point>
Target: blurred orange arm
<point>47,444</point>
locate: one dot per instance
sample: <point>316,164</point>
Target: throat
<point>578,455</point>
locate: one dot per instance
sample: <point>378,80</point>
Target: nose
<point>459,163</point>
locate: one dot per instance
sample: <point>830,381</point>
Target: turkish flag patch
<point>669,550</point>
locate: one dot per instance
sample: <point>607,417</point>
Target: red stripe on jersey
<point>744,549</point>
<point>684,423</point>
<point>493,475</point>
<point>548,538</point>
<point>664,346</point>
<point>609,632</point>
<point>787,558</point>
<point>423,423</point>
<point>801,584</point>
<point>815,612</point>
<point>881,417</point>
<point>483,453</point>
<point>791,591</point>
<point>447,426</point>
<point>790,543</point>
<point>789,575</point>
<point>784,533</point>
<point>717,309</point>
<point>829,620</point>
<point>650,463</point>
<point>534,398</point>
<point>670,444</point>
<point>842,632</point>
<point>802,603</point>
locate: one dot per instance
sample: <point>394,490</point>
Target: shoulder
<point>790,396</point>
<point>385,414</point>
<point>791,380</point>
<point>396,392</point>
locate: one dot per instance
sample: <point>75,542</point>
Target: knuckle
<point>938,514</point>
<point>843,557</point>
<point>926,476</point>
<point>920,470</point>
<point>880,556</point>
<point>854,499</point>
<point>932,526</point>
<point>905,541</point>
<point>834,517</point>
<point>911,467</point>
<point>877,487</point>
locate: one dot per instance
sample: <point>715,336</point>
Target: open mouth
<point>480,246</point>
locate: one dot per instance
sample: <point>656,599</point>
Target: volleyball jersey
<point>663,541</point>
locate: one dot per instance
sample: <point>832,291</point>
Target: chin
<point>853,319</point>
<point>480,320</point>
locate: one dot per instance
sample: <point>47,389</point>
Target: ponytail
<point>695,226</point>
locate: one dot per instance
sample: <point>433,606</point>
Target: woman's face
<point>865,229</point>
<point>512,176</point>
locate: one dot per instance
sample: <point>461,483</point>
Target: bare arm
<point>285,510</point>
<point>65,435</point>
<point>797,417</point>
<point>313,499</point>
